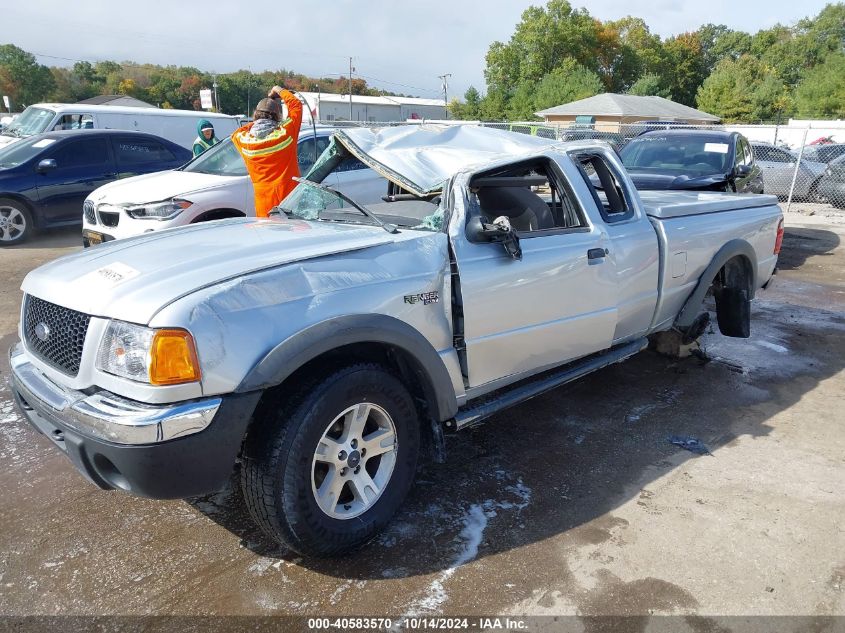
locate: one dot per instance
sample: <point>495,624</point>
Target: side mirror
<point>499,231</point>
<point>741,171</point>
<point>48,164</point>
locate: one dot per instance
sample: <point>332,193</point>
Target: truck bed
<point>675,204</point>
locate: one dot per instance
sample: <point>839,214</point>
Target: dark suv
<point>44,179</point>
<point>708,160</point>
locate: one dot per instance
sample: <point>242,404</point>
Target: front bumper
<point>160,451</point>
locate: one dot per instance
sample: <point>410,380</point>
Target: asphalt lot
<point>574,503</point>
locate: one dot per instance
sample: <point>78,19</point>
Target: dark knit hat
<point>270,106</point>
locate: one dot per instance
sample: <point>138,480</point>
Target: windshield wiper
<point>390,228</point>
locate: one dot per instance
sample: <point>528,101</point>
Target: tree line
<point>556,54</point>
<point>25,82</point>
<point>559,54</point>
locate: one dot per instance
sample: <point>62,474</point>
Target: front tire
<point>328,469</point>
<point>16,223</point>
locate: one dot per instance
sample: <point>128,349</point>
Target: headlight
<point>158,210</point>
<point>153,356</point>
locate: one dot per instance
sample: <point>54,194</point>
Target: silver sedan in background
<point>779,168</point>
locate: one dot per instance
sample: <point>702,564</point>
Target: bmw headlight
<point>154,356</point>
<point>158,210</point>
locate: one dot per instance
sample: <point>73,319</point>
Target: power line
<point>394,83</point>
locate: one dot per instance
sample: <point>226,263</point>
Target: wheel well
<point>735,273</point>
<point>218,214</point>
<point>394,359</point>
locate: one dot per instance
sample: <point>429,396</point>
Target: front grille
<point>88,210</point>
<point>55,334</point>
<point>109,218</point>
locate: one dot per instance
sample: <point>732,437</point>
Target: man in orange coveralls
<point>268,146</point>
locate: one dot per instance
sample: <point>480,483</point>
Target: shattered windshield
<point>308,201</point>
<point>311,201</point>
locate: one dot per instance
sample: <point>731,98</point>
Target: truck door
<point>555,304</point>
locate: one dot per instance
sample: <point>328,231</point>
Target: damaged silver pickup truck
<point>320,349</point>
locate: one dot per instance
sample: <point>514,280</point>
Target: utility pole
<point>214,85</point>
<point>445,97</point>
<point>350,88</point>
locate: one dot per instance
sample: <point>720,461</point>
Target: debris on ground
<point>689,443</point>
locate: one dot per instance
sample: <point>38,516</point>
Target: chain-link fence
<point>800,165</point>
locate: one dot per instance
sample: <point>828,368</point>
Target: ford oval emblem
<point>42,331</point>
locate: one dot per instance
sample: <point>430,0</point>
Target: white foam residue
<point>474,526</point>
<point>267,603</point>
<point>335,597</point>
<point>773,320</point>
<point>260,566</point>
<point>12,431</point>
<point>474,523</point>
<point>521,491</point>
<point>773,346</point>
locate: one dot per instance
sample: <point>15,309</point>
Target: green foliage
<point>23,79</point>
<point>686,58</point>
<point>647,47</point>
<point>470,109</point>
<point>542,40</point>
<point>493,106</point>
<point>743,90</point>
<point>821,93</point>
<point>626,56</point>
<point>650,85</point>
<point>569,82</point>
<point>521,105</point>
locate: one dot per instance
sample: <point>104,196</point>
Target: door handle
<point>597,253</point>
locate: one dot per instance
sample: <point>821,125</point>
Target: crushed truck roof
<point>420,158</point>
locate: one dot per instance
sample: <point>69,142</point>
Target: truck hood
<point>420,158</point>
<point>133,279</point>
<point>161,185</point>
<point>645,180</point>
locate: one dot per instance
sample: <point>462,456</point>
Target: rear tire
<point>320,472</point>
<point>733,312</point>
<point>16,225</point>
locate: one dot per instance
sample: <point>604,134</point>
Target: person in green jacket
<point>205,138</point>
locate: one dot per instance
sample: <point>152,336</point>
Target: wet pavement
<point>573,503</point>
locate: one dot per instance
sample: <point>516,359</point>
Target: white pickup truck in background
<point>321,348</point>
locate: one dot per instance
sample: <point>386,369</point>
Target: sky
<point>397,46</point>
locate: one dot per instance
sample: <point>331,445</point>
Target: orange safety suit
<point>271,160</point>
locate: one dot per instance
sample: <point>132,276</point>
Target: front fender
<point>315,340</point>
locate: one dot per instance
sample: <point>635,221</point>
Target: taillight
<point>779,237</point>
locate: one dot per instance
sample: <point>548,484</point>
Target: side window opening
<point>605,187</point>
<point>532,196</point>
<point>75,122</point>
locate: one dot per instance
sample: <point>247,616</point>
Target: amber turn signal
<point>173,358</point>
